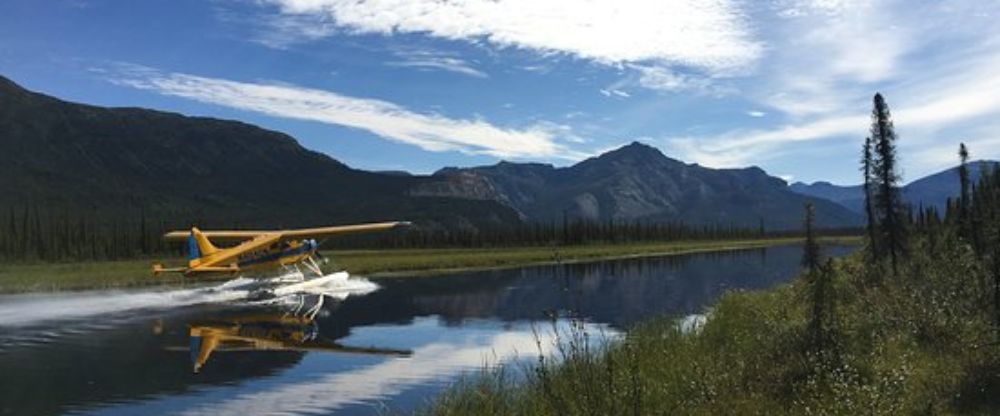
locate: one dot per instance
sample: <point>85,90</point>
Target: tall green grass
<point>921,343</point>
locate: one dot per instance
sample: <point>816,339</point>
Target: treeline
<point>34,233</point>
<point>568,232</point>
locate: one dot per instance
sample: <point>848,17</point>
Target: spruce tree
<point>819,277</point>
<point>963,199</point>
<point>821,328</point>
<point>866,168</point>
<point>810,250</point>
<point>887,201</point>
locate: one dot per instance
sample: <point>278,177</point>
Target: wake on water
<point>23,310</point>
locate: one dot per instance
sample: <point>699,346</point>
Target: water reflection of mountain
<point>127,362</point>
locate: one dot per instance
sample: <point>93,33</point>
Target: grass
<point>35,277</point>
<point>920,342</point>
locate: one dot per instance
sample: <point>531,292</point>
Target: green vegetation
<point>908,325</point>
<point>127,273</point>
<point>901,349</point>
<point>32,234</point>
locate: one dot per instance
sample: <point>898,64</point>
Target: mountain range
<point>638,183</point>
<point>930,191</point>
<point>108,161</point>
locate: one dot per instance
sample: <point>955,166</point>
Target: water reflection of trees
<point>619,292</point>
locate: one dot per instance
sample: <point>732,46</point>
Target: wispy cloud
<point>826,58</point>
<point>429,131</point>
<point>435,60</point>
<point>951,97</point>
<point>614,92</point>
<point>281,31</point>
<point>711,35</point>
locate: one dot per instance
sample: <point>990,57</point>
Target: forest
<point>32,233</point>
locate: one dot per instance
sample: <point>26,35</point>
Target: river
<point>362,351</point>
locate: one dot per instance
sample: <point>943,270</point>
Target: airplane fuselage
<point>282,254</point>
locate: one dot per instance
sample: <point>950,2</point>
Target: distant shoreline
<point>395,263</point>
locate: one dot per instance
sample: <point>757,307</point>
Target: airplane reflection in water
<point>291,330</point>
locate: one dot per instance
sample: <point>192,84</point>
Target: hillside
<point>78,158</point>
<point>931,190</point>
<point>638,182</point>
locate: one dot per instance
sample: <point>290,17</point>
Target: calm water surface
<point>125,353</point>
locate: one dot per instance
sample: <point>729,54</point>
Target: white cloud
<point>435,60</point>
<point>659,78</point>
<point>612,92</point>
<point>703,36</point>
<point>824,53</point>
<point>665,79</point>
<point>281,31</point>
<point>756,114</point>
<point>742,147</point>
<point>708,34</point>
<point>953,97</point>
<point>937,63</point>
<point>428,131</point>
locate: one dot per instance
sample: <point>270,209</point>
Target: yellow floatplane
<point>259,250</point>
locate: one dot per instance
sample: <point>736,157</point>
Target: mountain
<point>638,182</point>
<point>935,189</point>
<point>64,156</point>
<point>850,197</point>
<point>109,162</point>
<point>932,190</point>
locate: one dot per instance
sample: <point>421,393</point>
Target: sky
<point>418,85</point>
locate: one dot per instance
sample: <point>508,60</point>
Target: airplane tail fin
<point>199,246</point>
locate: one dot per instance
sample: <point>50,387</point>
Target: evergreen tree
<point>887,200</point>
<point>810,250</point>
<point>821,330</point>
<point>819,276</point>
<point>12,237</point>
<point>963,200</point>
<point>866,168</point>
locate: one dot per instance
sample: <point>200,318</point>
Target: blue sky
<point>421,84</point>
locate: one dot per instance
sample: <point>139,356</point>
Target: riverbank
<point>852,338</point>
<point>39,277</point>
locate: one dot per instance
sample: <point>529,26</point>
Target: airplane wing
<point>341,229</point>
<point>289,234</point>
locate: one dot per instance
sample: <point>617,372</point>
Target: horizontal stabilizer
<point>158,268</point>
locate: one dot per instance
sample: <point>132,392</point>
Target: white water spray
<point>22,310</point>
